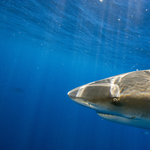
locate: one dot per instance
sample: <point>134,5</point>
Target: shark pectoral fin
<point>117,119</point>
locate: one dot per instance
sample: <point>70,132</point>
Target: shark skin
<point>123,99</point>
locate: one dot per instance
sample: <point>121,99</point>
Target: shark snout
<point>91,92</point>
<point>72,94</point>
<point>92,95</point>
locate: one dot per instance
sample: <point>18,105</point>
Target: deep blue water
<point>48,47</point>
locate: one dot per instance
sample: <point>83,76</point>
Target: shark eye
<point>115,100</point>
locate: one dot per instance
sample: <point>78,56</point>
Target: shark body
<point>122,99</point>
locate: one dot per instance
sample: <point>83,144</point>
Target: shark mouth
<point>131,121</point>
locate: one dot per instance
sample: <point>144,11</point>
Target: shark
<point>123,98</point>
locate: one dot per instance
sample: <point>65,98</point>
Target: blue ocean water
<point>49,47</point>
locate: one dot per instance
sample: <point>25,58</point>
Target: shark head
<point>101,96</point>
<point>120,99</point>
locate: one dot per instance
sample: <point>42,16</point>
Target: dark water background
<point>48,47</point>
